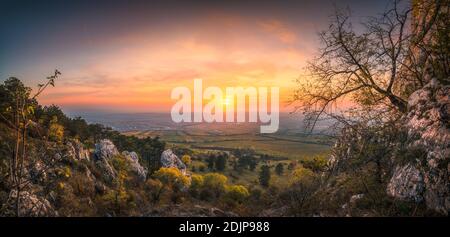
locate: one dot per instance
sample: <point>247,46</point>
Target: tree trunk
<point>400,104</point>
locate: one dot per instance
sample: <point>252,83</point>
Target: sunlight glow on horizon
<point>130,60</point>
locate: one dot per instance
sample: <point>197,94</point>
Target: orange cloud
<point>139,70</point>
<point>280,30</point>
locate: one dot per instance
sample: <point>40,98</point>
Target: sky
<point>127,56</point>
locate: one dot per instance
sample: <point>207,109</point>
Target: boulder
<point>105,151</point>
<point>31,204</point>
<point>169,160</point>
<point>407,183</point>
<point>75,149</point>
<point>136,167</point>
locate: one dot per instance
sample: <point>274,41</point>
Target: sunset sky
<point>127,57</point>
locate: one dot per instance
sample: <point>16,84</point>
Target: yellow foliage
<point>196,181</point>
<point>61,185</point>
<point>64,172</point>
<point>236,193</point>
<point>171,177</point>
<point>186,160</point>
<point>302,174</point>
<point>214,180</point>
<point>56,132</point>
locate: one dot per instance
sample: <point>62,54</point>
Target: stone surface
<point>136,167</point>
<point>428,127</point>
<point>75,149</point>
<point>32,205</point>
<point>407,183</point>
<point>169,159</point>
<point>105,151</point>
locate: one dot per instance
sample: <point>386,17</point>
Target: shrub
<point>213,186</point>
<point>186,160</point>
<point>300,196</point>
<point>172,177</point>
<point>236,194</point>
<point>279,169</point>
<point>155,189</point>
<point>264,176</point>
<point>302,174</point>
<point>56,131</point>
<point>196,184</point>
<point>317,164</point>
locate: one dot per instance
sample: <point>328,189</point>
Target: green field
<point>285,144</point>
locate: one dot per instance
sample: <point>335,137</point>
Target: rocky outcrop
<point>428,127</point>
<point>31,204</point>
<point>406,183</point>
<point>75,149</point>
<point>105,151</point>
<point>169,159</point>
<point>133,159</point>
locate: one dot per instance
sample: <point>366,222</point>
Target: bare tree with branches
<point>19,117</point>
<point>376,68</point>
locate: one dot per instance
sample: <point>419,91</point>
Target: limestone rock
<point>407,183</point>
<point>105,151</point>
<point>76,150</point>
<point>37,172</point>
<point>133,159</point>
<point>32,205</point>
<point>428,126</point>
<point>169,159</point>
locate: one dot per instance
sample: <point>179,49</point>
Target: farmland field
<point>286,144</point>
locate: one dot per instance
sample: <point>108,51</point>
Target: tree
<point>246,159</point>
<point>264,176</point>
<point>221,161</point>
<point>210,161</point>
<point>18,112</point>
<point>279,169</point>
<point>376,68</point>
<point>151,149</point>
<point>301,193</point>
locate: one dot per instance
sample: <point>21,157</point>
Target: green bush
<point>236,194</point>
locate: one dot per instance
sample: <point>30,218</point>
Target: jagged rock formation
<point>415,157</point>
<point>133,159</point>
<point>169,159</point>
<point>406,183</point>
<point>32,205</point>
<point>76,150</point>
<point>105,151</point>
<point>428,127</point>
